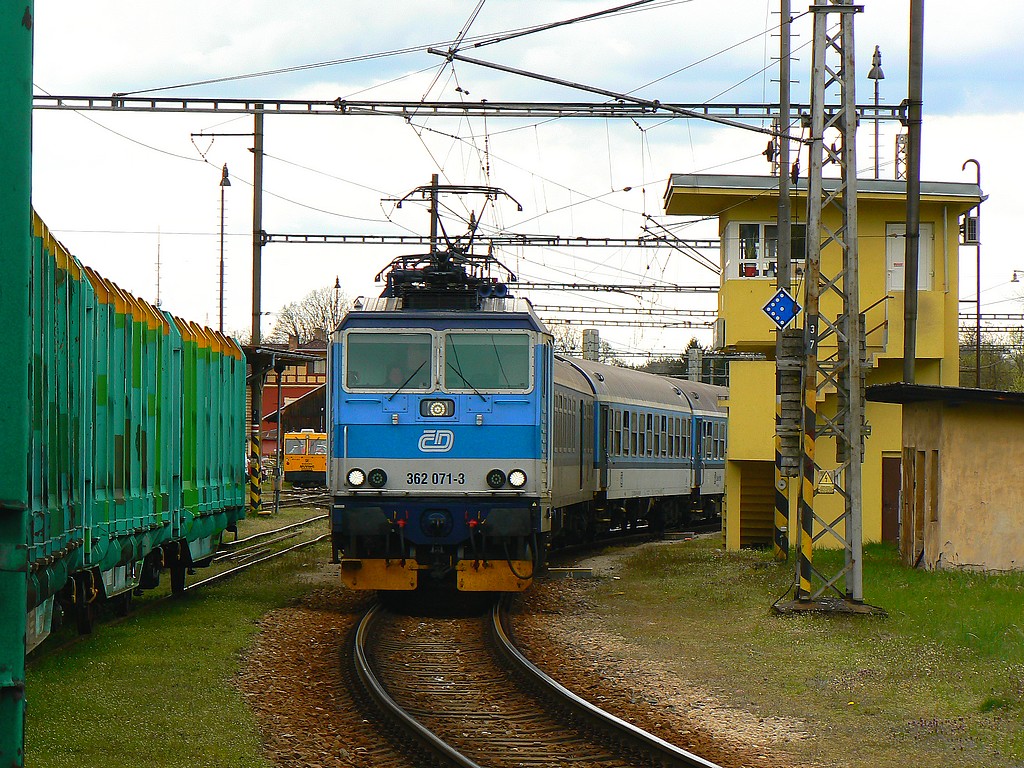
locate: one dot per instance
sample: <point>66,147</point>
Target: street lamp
<point>974,238</point>
<point>224,182</point>
<point>875,73</point>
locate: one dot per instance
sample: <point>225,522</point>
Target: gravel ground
<point>628,682</point>
<point>293,683</point>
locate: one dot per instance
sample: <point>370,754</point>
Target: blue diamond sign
<point>782,308</point>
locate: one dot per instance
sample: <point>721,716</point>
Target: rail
<point>648,743</point>
<point>390,707</point>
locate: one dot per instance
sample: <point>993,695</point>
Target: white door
<point>895,252</point>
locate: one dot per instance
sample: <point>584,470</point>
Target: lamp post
<point>224,182</point>
<point>974,238</point>
<point>876,74</point>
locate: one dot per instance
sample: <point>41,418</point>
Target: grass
<point>156,690</point>
<point>940,679</point>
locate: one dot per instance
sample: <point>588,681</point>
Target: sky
<point>126,191</point>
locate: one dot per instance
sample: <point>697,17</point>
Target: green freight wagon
<point>137,441</point>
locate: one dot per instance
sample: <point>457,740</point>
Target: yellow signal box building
<point>747,207</point>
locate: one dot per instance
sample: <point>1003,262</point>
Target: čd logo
<point>436,440</point>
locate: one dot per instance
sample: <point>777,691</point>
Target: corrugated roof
<point>740,183</point>
<point>902,393</point>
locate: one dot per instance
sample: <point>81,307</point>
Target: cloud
<point>568,174</point>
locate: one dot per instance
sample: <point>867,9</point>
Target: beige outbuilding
<point>962,499</point>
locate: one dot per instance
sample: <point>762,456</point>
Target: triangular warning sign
<point>826,484</point>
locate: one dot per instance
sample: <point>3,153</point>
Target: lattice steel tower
<point>832,141</point>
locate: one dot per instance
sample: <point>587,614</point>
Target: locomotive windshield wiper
<point>403,384</point>
<point>458,373</point>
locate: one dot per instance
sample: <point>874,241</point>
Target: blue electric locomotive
<point>462,447</point>
<point>438,444</point>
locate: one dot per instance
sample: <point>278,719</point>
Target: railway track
<point>297,497</point>
<point>463,695</point>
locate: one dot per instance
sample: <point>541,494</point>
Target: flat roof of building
<point>719,188</point>
<point>926,393</point>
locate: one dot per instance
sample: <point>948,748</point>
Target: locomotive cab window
<point>475,362</point>
<point>388,361</point>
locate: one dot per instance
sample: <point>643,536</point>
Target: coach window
<point>486,361</point>
<point>616,442</point>
<point>387,361</point>
<point>634,426</point>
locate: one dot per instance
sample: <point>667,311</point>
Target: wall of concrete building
<point>963,507</point>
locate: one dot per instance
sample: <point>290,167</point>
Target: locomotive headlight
<point>437,408</point>
<point>378,478</point>
<point>356,477</point>
<point>496,478</point>
<point>517,478</point>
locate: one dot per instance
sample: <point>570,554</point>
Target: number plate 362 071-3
<point>435,478</point>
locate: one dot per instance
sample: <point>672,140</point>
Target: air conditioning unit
<point>969,234</point>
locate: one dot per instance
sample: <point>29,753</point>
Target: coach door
<point>698,451</point>
<point>603,428</point>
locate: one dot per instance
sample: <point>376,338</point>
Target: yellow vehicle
<point>305,458</point>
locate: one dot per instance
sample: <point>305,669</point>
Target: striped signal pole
<point>780,538</point>
<point>784,272</point>
<point>805,535</point>
<point>255,475</point>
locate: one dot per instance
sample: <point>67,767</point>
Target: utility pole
<point>224,182</point>
<point>787,360</point>
<point>257,377</point>
<point>913,239</point>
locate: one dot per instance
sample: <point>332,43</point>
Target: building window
<point>751,249</point>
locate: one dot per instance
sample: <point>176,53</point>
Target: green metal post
<point>15,260</point>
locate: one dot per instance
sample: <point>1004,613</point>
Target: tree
<point>568,339</point>
<point>314,317</point>
<point>1002,360</point>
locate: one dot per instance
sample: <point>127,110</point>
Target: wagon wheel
<point>123,603</point>
<point>85,596</point>
<point>178,578</point>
